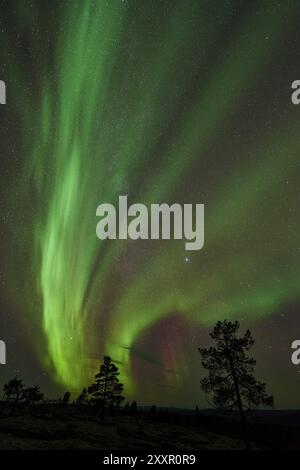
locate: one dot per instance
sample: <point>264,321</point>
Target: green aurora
<point>133,99</point>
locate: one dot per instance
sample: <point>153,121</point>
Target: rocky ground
<point>65,430</point>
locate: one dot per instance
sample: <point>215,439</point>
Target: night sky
<point>164,101</point>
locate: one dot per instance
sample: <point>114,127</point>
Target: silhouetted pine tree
<point>126,408</point>
<point>83,397</point>
<point>15,392</point>
<point>133,408</point>
<point>66,398</point>
<point>230,378</point>
<point>107,390</point>
<point>33,394</point>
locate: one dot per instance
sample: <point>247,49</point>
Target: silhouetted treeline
<point>230,383</point>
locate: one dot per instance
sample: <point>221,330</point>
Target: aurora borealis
<point>173,101</point>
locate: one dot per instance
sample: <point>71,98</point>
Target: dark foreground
<point>54,426</point>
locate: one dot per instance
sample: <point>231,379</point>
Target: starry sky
<point>163,101</point>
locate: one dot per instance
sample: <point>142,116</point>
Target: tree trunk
<point>104,395</point>
<point>244,427</point>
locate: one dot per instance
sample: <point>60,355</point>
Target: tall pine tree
<point>106,391</point>
<point>231,380</point>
